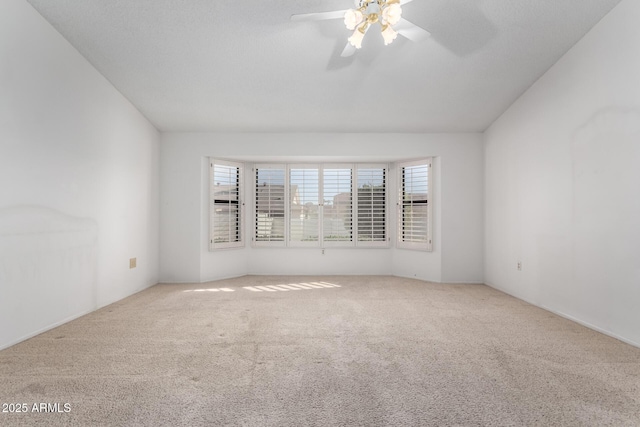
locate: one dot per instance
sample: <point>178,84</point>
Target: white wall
<point>562,179</point>
<point>184,206</point>
<point>78,182</point>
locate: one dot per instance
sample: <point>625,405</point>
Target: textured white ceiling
<point>242,65</point>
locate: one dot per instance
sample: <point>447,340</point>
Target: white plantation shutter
<point>371,195</point>
<point>328,205</point>
<point>270,204</point>
<point>337,209</point>
<point>304,211</point>
<point>414,207</point>
<point>225,204</point>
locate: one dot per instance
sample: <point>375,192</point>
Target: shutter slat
<point>270,205</point>
<point>337,210</point>
<point>304,211</point>
<point>225,204</point>
<point>415,199</point>
<point>371,195</point>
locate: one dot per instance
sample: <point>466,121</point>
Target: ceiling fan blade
<point>411,31</point>
<point>348,51</point>
<point>319,16</point>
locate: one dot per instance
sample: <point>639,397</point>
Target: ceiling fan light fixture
<point>353,18</point>
<point>392,13</point>
<point>358,35</point>
<point>388,34</point>
<point>369,12</point>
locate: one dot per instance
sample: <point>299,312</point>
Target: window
<point>320,205</point>
<point>270,204</point>
<point>372,205</point>
<point>337,205</point>
<point>304,207</point>
<point>414,207</point>
<point>226,206</point>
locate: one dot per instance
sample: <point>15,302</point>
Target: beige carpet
<point>329,351</point>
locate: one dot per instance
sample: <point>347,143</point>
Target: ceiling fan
<point>387,13</point>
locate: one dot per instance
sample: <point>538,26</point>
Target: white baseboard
<point>569,317</point>
<point>70,318</point>
<point>45,329</point>
<point>462,283</point>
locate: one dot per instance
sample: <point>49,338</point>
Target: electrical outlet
<point>519,266</point>
<point>132,262</point>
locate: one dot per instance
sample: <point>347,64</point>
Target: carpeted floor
<point>324,351</point>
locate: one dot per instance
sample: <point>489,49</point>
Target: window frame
<point>285,215</point>
<point>373,243</point>
<point>336,243</point>
<point>288,226</point>
<point>240,242</point>
<point>427,245</point>
<point>321,242</point>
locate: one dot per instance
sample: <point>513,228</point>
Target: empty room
<point>320,213</point>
